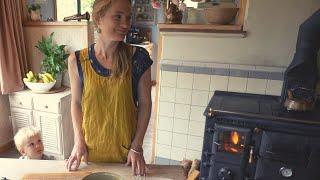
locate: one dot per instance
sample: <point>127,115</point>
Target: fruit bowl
<point>39,87</point>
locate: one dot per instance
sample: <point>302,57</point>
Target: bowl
<point>40,87</point>
<point>220,14</point>
<point>102,176</point>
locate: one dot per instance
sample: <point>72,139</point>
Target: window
<point>69,7</point>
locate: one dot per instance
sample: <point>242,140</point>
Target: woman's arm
<point>135,156</point>
<point>79,148</point>
<point>144,109</point>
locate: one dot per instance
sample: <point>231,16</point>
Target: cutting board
<point>155,172</point>
<point>45,176</point>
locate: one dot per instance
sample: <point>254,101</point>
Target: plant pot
<point>59,81</point>
<point>35,15</point>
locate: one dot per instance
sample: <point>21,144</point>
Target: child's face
<point>33,148</point>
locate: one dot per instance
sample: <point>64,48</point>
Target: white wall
<point>5,123</point>
<point>272,27</point>
<point>72,34</point>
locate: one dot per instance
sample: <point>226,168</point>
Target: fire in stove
<point>232,142</point>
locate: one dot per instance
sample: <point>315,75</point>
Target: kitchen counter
<point>17,169</point>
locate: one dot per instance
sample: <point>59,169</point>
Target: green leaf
<point>54,55</point>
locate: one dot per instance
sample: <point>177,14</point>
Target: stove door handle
<point>216,143</point>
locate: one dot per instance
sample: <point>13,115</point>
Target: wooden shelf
<point>55,23</point>
<point>204,28</point>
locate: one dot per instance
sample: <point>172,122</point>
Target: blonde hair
<point>121,65</point>
<point>23,135</point>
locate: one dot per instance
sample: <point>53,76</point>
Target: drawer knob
<point>20,103</point>
<point>46,106</point>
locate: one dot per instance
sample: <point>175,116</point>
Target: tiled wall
<point>185,90</point>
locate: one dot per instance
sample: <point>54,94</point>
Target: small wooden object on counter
<point>186,164</point>
<point>194,175</point>
<point>195,166</point>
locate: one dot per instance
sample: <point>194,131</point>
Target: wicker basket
<point>220,15</point>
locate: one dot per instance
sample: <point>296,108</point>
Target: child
<point>29,144</point>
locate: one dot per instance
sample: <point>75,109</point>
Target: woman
<point>110,87</point>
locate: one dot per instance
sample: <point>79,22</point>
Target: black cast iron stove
<point>252,137</point>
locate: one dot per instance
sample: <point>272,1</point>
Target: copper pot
<point>295,104</point>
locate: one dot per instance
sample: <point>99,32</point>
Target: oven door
<point>230,148</point>
<point>286,156</point>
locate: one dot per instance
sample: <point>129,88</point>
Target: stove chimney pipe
<point>302,74</point>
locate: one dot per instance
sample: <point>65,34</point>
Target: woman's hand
<point>137,162</point>
<point>79,150</point>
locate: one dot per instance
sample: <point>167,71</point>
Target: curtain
<point>13,59</point>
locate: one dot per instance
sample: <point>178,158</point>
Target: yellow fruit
<point>26,79</point>
<point>45,79</point>
<point>49,76</point>
<point>31,73</point>
<point>34,80</point>
<point>30,78</point>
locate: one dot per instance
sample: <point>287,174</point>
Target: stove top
<point>259,106</point>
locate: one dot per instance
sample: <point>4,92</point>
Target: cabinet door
<point>50,126</point>
<point>20,118</point>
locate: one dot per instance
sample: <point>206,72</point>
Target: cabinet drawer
<point>46,105</point>
<point>20,101</point>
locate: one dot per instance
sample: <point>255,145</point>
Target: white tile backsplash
<point>201,82</point>
<point>194,143</point>
<point>168,79</point>
<point>219,83</point>
<point>178,154</point>
<point>270,69</point>
<point>164,137</point>
<point>180,126</point>
<point>166,109</point>
<point>184,80</point>
<point>163,151</point>
<point>167,94</point>
<point>210,94</point>
<point>237,84</point>
<point>199,98</point>
<point>191,154</point>
<point>179,140</point>
<point>183,96</point>
<point>222,66</point>
<point>196,113</point>
<point>256,86</point>
<point>241,67</point>
<point>274,87</point>
<point>196,128</point>
<point>165,123</point>
<point>182,111</point>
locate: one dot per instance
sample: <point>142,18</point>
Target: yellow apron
<point>109,114</point>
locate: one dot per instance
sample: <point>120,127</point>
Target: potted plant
<point>34,11</point>
<point>54,58</point>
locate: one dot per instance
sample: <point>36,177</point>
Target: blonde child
<point>29,143</point>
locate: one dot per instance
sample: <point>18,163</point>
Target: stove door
<point>230,148</point>
<point>287,156</point>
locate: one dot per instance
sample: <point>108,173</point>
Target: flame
<point>234,137</point>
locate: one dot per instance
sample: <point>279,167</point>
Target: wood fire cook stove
<point>253,137</point>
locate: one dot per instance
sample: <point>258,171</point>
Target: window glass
<point>69,7</point>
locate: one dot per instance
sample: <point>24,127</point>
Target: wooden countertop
<point>20,169</point>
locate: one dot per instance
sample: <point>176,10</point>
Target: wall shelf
<point>202,28</point>
<point>55,23</point>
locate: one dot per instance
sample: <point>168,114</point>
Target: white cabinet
<point>20,118</point>
<point>50,113</point>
